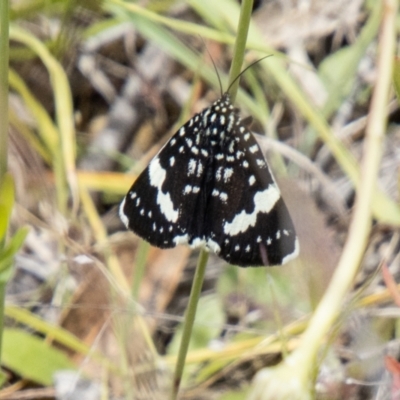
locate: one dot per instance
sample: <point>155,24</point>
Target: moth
<point>211,186</point>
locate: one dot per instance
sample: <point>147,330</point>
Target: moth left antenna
<point>215,68</point>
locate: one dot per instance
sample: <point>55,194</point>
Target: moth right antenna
<point>249,66</point>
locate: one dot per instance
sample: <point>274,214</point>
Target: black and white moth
<point>211,186</point>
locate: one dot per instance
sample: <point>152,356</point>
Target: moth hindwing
<point>211,186</point>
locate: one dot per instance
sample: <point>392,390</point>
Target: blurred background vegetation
<point>96,89</point>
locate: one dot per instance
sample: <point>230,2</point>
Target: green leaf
<point>6,203</point>
<point>31,357</point>
<point>8,252</point>
<point>3,378</point>
<point>59,334</point>
<point>241,394</point>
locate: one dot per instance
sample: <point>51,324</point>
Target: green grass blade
<point>31,357</point>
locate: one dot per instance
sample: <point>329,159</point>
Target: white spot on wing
<point>218,174</point>
<point>253,148</point>
<point>223,196</point>
<point>172,161</point>
<point>252,180</point>
<point>292,255</point>
<point>213,246</point>
<point>192,166</point>
<point>199,169</point>
<point>183,239</point>
<point>228,172</point>
<point>205,115</point>
<point>157,176</point>
<point>197,242</point>
<point>264,201</point>
<point>231,122</point>
<point>122,215</point>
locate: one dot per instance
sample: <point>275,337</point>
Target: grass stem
<point>238,56</point>
<point>189,320</point>
<point>240,46</point>
<point>4,50</point>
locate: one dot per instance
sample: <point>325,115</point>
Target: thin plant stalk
<point>189,320</point>
<point>4,47</point>
<point>140,266</point>
<point>4,26</point>
<point>238,57</point>
<point>240,46</point>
